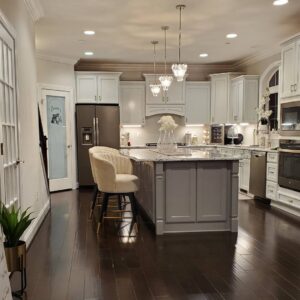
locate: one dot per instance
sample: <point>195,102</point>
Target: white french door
<point>9,150</point>
<point>55,109</point>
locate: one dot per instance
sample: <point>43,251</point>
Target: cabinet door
<point>175,94</point>
<point>180,192</point>
<point>250,101</point>
<point>210,200</point>
<point>108,89</point>
<point>245,178</point>
<point>86,88</point>
<point>234,102</point>
<point>132,103</point>
<point>288,70</point>
<point>197,97</point>
<point>297,73</point>
<point>219,100</point>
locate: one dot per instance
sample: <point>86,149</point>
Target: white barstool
<point>96,191</point>
<point>114,175</point>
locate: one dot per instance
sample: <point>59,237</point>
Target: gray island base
<point>193,192</point>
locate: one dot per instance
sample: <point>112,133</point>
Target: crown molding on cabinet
<point>35,9</point>
<point>56,59</point>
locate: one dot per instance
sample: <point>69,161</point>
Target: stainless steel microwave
<point>290,118</point>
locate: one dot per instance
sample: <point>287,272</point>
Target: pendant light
<point>165,79</point>
<point>179,69</point>
<point>155,88</point>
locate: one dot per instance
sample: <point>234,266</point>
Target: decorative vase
<point>167,141</point>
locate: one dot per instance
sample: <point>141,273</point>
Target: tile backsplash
<point>149,133</point>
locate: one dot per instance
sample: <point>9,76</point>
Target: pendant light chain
<point>179,48</point>
<point>165,29</point>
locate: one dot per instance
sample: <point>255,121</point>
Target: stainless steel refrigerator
<point>97,125</point>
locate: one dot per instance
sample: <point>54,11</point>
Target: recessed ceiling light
<point>88,53</point>
<point>89,32</point>
<point>203,55</point>
<point>231,35</point>
<point>280,2</point>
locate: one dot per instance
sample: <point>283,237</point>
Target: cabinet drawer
<point>272,157</point>
<point>272,172</point>
<point>271,190</point>
<point>289,200</point>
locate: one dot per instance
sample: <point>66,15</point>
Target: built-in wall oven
<point>290,118</point>
<point>289,164</point>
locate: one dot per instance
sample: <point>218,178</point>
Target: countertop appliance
<point>97,125</point>
<point>217,134</point>
<point>258,165</point>
<point>290,118</point>
<point>289,164</point>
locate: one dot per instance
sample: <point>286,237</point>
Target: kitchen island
<point>189,191</point>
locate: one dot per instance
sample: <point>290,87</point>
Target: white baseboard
<point>35,225</point>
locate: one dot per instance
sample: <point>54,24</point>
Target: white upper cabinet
<point>171,101</point>
<point>290,71</point>
<point>97,87</point>
<point>86,88</point>
<point>220,93</point>
<point>197,98</point>
<point>132,102</point>
<point>243,99</point>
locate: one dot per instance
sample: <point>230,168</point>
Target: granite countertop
<point>216,146</point>
<point>183,154</point>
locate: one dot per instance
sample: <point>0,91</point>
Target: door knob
<point>69,146</point>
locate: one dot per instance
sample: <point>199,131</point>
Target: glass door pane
<point>57,137</point>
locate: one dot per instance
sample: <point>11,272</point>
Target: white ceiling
<point>124,29</point>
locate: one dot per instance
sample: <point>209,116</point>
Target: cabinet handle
<point>295,87</point>
<point>99,98</point>
<point>292,88</point>
<point>95,98</point>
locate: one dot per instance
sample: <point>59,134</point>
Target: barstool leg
<point>119,202</point>
<point>133,206</point>
<point>94,200</point>
<point>103,210</point>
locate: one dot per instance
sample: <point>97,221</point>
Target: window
<point>273,104</point>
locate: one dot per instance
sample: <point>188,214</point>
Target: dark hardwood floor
<point>67,260</point>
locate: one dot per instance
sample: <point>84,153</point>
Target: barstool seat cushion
<point>126,183</point>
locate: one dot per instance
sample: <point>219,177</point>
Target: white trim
<point>70,90</point>
<point>35,9</point>
<point>270,69</point>
<point>11,30</point>
<point>35,225</point>
<point>56,59</point>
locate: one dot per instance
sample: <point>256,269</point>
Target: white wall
<point>33,191</point>
<point>58,74</point>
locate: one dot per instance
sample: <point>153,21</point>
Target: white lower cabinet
<point>272,172</point>
<point>288,201</point>
<point>132,102</point>
<point>271,190</point>
<point>244,174</point>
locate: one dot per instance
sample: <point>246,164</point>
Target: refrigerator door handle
<point>94,132</point>
<point>97,130</point>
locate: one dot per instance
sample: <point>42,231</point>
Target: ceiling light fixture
<point>155,87</point>
<point>179,69</point>
<point>165,80</point>
<point>203,55</point>
<point>231,35</point>
<point>280,2</point>
<point>88,53</point>
<point>89,32</point>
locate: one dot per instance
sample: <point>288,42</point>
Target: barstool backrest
<point>107,166</point>
<point>100,149</point>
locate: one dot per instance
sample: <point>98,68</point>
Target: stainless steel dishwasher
<point>258,166</point>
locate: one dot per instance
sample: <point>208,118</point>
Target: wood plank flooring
<point>67,261</point>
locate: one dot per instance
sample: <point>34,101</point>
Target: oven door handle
<point>289,151</point>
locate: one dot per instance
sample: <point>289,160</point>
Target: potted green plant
<point>14,223</point>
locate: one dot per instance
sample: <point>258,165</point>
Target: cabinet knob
<point>99,98</point>
<point>95,98</point>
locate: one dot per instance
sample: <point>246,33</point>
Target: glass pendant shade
<point>165,81</point>
<point>155,89</point>
<point>179,71</point>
